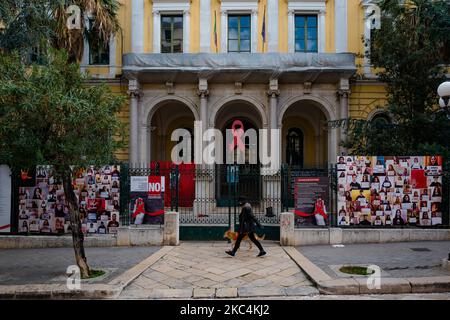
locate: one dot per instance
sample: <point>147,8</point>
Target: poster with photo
<point>389,191</point>
<point>43,209</point>
<point>311,200</point>
<point>147,199</point>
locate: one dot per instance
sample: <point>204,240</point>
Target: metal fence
<point>211,195</point>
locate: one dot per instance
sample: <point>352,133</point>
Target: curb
<point>88,291</point>
<point>353,286</point>
<point>57,291</point>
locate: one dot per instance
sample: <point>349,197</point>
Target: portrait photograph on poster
<point>43,209</point>
<point>389,191</point>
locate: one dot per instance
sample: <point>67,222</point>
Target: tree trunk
<point>75,223</point>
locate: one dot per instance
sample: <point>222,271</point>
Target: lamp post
<point>444,103</point>
<point>444,97</point>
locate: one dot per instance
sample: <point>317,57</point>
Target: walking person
<point>247,227</point>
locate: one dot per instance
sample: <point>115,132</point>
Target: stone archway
<point>159,118</point>
<point>310,116</point>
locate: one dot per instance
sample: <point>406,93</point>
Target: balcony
<point>239,67</point>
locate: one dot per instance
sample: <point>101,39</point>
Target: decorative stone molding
<point>307,87</point>
<point>273,88</point>
<point>170,88</point>
<point>343,93</point>
<point>203,91</point>
<point>238,87</point>
<point>134,90</point>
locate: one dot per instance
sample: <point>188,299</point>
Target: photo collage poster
<point>42,208</point>
<point>389,191</point>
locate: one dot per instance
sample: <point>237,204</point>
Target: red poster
<point>156,186</point>
<point>418,179</point>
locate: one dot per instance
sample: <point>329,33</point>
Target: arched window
<point>294,147</point>
<point>381,118</point>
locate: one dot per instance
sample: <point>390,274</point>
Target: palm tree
<point>100,14</point>
<point>30,23</point>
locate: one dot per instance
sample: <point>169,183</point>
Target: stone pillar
<point>322,31</point>
<point>171,235</point>
<point>341,26</point>
<point>144,160</point>
<point>223,31</point>
<point>156,31</point>
<point>186,30</point>
<point>205,26</point>
<point>255,32</point>
<point>287,232</point>
<point>137,26</point>
<point>133,142</point>
<point>291,29</point>
<point>203,93</point>
<point>272,25</point>
<point>271,180</point>
<point>343,94</point>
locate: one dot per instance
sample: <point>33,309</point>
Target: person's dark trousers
<point>251,235</point>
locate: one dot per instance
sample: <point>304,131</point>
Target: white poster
<point>139,184</point>
<point>5,199</point>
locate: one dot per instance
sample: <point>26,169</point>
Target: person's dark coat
<point>247,221</point>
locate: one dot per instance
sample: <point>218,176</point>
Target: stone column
<point>137,26</point>
<point>322,31</point>
<point>203,93</point>
<point>291,35</point>
<point>156,31</point>
<point>204,177</point>
<point>255,32</point>
<point>223,31</point>
<point>343,94</point>
<point>340,25</point>
<point>271,180</point>
<point>186,30</point>
<point>205,26</point>
<point>272,25</point>
<point>134,93</point>
<point>144,160</point>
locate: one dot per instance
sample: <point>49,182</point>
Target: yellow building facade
<point>273,64</point>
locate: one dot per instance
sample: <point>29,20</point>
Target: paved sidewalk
<point>399,260</point>
<point>48,266</point>
<point>203,270</point>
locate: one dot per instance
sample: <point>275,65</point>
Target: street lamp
<point>444,96</point>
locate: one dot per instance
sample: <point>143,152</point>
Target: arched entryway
<point>304,135</point>
<point>170,116</point>
<point>163,119</point>
<point>241,179</point>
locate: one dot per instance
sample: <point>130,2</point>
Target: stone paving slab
<point>214,271</point>
<point>399,260</point>
<point>350,285</point>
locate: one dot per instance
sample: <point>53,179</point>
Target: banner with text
<point>147,199</point>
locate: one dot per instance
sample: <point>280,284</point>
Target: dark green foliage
<point>410,48</point>
<point>48,115</point>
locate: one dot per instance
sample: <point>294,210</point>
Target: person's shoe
<point>231,253</point>
<point>262,253</point>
